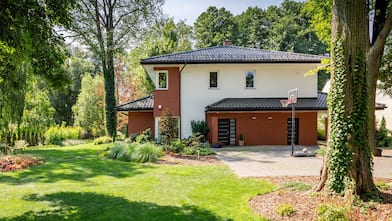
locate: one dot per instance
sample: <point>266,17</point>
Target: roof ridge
<point>179,52</point>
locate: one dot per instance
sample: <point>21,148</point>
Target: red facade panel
<point>170,98</point>
<point>266,128</point>
<point>139,121</point>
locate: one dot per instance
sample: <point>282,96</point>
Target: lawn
<point>76,184</point>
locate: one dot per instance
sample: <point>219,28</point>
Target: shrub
<point>121,152</point>
<point>320,133</point>
<point>193,140</point>
<point>285,209</point>
<point>326,212</point>
<point>136,152</point>
<point>147,152</point>
<point>168,127</point>
<point>177,146</point>
<point>200,127</point>
<point>102,140</point>
<point>193,150</point>
<point>382,135</point>
<point>321,151</point>
<point>132,137</point>
<point>57,134</point>
<point>145,136</point>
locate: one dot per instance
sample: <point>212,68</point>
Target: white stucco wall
<point>271,80</point>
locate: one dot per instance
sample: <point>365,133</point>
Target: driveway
<point>276,161</point>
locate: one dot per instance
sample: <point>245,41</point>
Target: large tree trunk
<point>349,155</point>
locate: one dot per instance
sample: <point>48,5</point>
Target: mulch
<point>189,160</point>
<point>305,203</point>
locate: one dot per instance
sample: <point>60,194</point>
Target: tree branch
<point>377,48</point>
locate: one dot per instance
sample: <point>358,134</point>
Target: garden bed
<point>189,160</point>
<point>11,163</point>
<point>305,204</point>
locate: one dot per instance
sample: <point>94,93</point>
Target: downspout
<point>179,99</point>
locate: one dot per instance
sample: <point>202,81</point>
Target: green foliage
<point>214,26</point>
<point>200,127</point>
<point>285,209</point>
<point>253,28</point>
<point>88,110</point>
<point>296,186</point>
<point>63,100</point>
<point>135,152</point>
<point>320,14</point>
<point>177,146</point>
<point>321,126</point>
<point>382,185</point>
<point>102,140</point>
<point>340,156</point>
<point>147,152</point>
<point>241,137</point>
<point>168,127</point>
<point>327,212</point>
<point>144,137</point>
<point>57,134</point>
<point>382,135</point>
<point>321,151</point>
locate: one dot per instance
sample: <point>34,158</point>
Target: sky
<point>189,10</point>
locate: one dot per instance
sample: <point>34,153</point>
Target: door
<point>227,131</point>
<point>296,131</point>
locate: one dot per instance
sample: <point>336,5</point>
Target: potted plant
<point>241,141</point>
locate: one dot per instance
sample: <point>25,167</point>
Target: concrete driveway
<point>276,161</point>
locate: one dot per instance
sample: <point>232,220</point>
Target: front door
<point>227,131</point>
<point>296,131</point>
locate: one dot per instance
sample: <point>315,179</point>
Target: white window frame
<point>254,79</point>
<point>217,80</point>
<point>157,80</point>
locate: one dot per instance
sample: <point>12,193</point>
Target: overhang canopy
<point>142,104</point>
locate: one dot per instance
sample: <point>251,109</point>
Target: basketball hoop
<point>284,103</point>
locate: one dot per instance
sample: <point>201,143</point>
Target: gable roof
<point>231,54</point>
<point>145,103</point>
<point>270,104</point>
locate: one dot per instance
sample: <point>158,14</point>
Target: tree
<point>29,46</point>
<point>168,127</point>
<point>253,28</point>
<point>88,110</point>
<point>290,29</point>
<point>214,26</point>
<point>64,99</point>
<point>376,58</point>
<point>106,26</point>
<point>348,158</point>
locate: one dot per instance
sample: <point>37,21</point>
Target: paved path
<point>276,161</point>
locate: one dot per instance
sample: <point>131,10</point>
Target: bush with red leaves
<point>11,163</point>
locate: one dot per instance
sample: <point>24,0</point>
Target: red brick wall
<point>139,121</point>
<point>266,128</point>
<point>168,99</point>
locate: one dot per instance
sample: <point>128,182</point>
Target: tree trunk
<point>110,97</point>
<point>349,156</point>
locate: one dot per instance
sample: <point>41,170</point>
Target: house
<point>236,90</point>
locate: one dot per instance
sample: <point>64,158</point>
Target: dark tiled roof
<point>145,103</point>
<point>255,104</point>
<point>232,54</point>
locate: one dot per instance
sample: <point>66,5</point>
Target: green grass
<point>76,184</point>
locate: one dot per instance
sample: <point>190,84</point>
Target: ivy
<point>348,108</point>
<point>339,156</point>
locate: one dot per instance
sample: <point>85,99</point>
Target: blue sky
<point>189,10</point>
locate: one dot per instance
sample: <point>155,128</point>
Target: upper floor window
<point>250,79</point>
<point>214,79</point>
<point>162,80</point>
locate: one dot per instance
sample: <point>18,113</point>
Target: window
<point>214,79</point>
<point>250,79</point>
<point>162,80</point>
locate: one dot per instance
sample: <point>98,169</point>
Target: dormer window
<point>162,80</point>
<point>213,79</point>
<point>250,79</point>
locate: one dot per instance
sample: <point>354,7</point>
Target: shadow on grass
<point>71,164</point>
<point>92,206</point>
